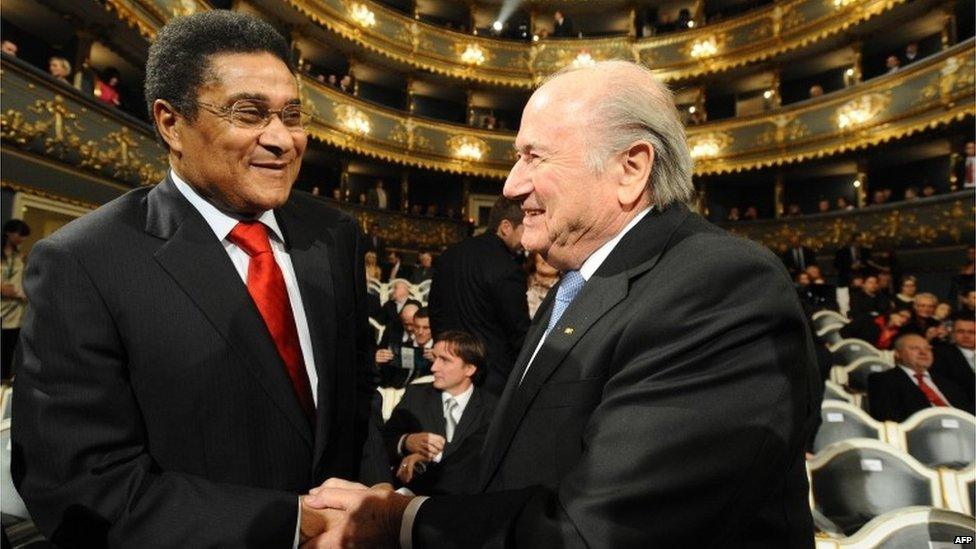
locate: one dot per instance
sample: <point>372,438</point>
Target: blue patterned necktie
<point>571,285</point>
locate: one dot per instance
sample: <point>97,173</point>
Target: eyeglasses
<point>254,115</point>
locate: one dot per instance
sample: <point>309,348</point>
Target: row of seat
<point>908,528</point>
<point>418,292</point>
<point>937,437</point>
<point>857,480</point>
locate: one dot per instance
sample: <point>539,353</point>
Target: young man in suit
<point>479,288</point>
<point>195,356</point>
<point>435,434</point>
<point>639,365</point>
<point>911,385</point>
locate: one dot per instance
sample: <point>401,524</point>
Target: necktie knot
<point>251,236</point>
<point>569,286</point>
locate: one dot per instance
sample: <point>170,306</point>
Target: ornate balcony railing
<point>760,34</point>
<point>49,118</point>
<point>937,221</point>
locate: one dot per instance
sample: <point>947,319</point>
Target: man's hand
<point>383,356</point>
<point>427,445</point>
<point>316,521</point>
<point>429,354</point>
<point>9,291</point>
<point>371,517</point>
<point>407,466</point>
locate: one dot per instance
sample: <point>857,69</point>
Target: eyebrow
<point>530,147</point>
<point>258,97</point>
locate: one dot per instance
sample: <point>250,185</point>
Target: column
<point>778,208</point>
<point>344,191</point>
<point>862,179</point>
<point>469,105</point>
<point>948,26</point>
<point>411,102</point>
<point>465,198</point>
<point>404,191</point>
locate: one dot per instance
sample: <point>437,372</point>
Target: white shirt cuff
<point>403,439</point>
<point>406,523</point>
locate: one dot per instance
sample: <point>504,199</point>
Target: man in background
<point>479,288</point>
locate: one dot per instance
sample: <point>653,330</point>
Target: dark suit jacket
<point>864,305</point>
<point>893,396</point>
<point>404,271</point>
<point>844,263</point>
<point>809,258</point>
<point>376,244</point>
<point>421,274</point>
<point>951,364</point>
<point>422,411</point>
<point>480,289</point>
<point>153,409</point>
<point>565,30</point>
<point>663,407</point>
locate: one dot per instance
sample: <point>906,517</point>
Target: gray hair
<point>632,112</point>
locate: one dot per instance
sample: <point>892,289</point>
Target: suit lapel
<point>312,260</point>
<point>637,252</point>
<point>198,263</point>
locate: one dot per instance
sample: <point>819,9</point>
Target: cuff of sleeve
<point>298,525</point>
<point>406,523</point>
<point>403,439</point>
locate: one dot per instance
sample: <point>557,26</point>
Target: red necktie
<point>930,393</point>
<point>266,285</point>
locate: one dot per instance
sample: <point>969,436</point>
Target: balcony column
<point>469,105</point>
<point>353,63</point>
<point>344,191</point>
<point>632,27</point>
<point>862,177</point>
<point>411,101</point>
<point>948,26</point>
<point>778,208</point>
<point>465,198</point>
<point>533,14</point>
<point>698,13</point>
<point>856,65</point>
<point>775,100</point>
<point>404,191</point>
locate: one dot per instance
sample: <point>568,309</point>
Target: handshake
<point>341,513</point>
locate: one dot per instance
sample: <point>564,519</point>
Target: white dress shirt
<point>969,355</point>
<point>589,267</point>
<point>928,380</point>
<point>222,224</point>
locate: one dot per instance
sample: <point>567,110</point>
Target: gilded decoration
<point>405,134</point>
<point>941,220</point>
<point>861,110</point>
<point>784,128</point>
<point>957,74</point>
<point>468,148</point>
<point>407,230</point>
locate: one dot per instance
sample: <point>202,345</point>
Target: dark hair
<point>14,226</point>
<point>109,74</point>
<point>503,209</point>
<point>466,347</point>
<point>962,316</point>
<point>179,60</point>
<point>422,312</point>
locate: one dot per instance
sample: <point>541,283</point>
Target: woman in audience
<point>373,270</point>
<point>60,68</point>
<point>942,312</point>
<point>907,291</point>
<point>12,298</point>
<point>542,277</point>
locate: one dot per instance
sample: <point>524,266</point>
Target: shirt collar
<point>219,221</point>
<point>597,258</point>
<point>911,373</point>
<point>462,399</point>
<point>966,352</point>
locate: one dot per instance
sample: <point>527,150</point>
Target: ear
<point>637,163</point>
<point>505,228</point>
<point>168,122</point>
<point>470,370</point>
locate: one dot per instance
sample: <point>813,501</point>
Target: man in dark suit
<point>394,268</point>
<point>195,354</point>
<point>896,394</point>
<point>424,269</point>
<point>957,360</point>
<point>562,26</point>
<point>435,434</point>
<point>479,288</point>
<point>851,260</point>
<point>389,315</point>
<point>798,257</point>
<point>869,300</point>
<point>374,242</point>
<point>640,365</point>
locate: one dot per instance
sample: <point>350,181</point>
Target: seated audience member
<point>8,47</point>
<point>542,277</point>
<point>911,193</point>
<point>956,359</point>
<point>923,321</point>
<point>884,286</point>
<point>373,270</point>
<point>892,64</point>
<point>60,68</point>
<point>942,312</point>
<point>394,268</point>
<point>928,190</point>
<point>733,214</point>
<point>879,197</point>
<point>816,90</point>
<point>424,269</point>
<point>401,331</point>
<point>967,302</point>
<point>794,210</point>
<point>435,434</point>
<point>823,205</point>
<point>910,386</point>
<point>907,291</point>
<point>751,214</point>
<point>969,167</point>
<point>868,300</point>
<point>911,52</point>
<point>106,88</point>
<point>374,242</point>
<point>816,275</point>
<point>403,360</point>
<point>843,204</point>
<point>399,294</point>
<point>798,257</point>
<point>346,85</point>
<point>880,331</point>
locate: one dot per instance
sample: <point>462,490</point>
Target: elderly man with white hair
<point>666,390</point>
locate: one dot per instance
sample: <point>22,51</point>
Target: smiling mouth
<point>276,166</point>
<point>532,212</point>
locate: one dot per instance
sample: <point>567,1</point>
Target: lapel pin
<point>568,331</point>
